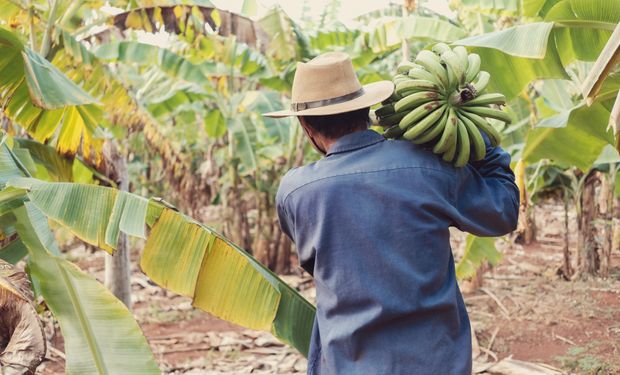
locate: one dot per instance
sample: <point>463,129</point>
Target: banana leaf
<point>101,336</point>
<point>45,102</point>
<point>477,250</point>
<point>583,27</point>
<point>517,56</point>
<point>182,255</point>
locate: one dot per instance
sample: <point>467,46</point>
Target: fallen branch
<point>498,302</point>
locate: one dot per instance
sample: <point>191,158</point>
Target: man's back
<point>370,222</point>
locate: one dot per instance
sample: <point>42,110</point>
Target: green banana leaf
<point>583,27</point>
<point>182,255</point>
<point>101,336</point>
<point>517,56</point>
<point>130,52</point>
<point>477,250</point>
<point>575,136</point>
<point>387,33</point>
<point>287,42</point>
<point>528,8</point>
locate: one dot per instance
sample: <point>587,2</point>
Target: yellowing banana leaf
<point>101,336</point>
<point>477,250</point>
<point>191,20</point>
<point>604,65</point>
<point>184,256</point>
<point>41,99</point>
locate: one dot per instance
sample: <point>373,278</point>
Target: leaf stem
<point>47,37</point>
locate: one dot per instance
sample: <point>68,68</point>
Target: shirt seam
<point>355,147</point>
<point>360,172</point>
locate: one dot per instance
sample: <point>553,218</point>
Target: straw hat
<point>327,85</point>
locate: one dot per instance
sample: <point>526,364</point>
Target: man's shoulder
<point>400,158</point>
<point>292,180</point>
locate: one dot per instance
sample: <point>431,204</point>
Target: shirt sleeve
<point>285,222</point>
<point>487,201</point>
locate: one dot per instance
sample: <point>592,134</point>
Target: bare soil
<point>524,310</point>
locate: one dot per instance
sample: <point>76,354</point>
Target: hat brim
<point>373,93</point>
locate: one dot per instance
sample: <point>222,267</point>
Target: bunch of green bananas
<point>439,101</point>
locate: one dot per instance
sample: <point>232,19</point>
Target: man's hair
<point>340,124</point>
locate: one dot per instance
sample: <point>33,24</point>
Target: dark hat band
<point>295,107</point>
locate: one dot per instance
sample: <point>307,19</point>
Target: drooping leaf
<point>101,336</point>
<point>188,258</point>
<point>579,142</point>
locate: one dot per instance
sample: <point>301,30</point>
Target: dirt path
<point>523,310</point>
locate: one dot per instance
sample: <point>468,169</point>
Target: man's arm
<point>487,202</point>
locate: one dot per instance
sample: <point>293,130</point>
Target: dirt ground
<point>523,311</point>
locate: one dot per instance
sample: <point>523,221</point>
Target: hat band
<point>322,103</point>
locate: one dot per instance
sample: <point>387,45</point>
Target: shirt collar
<point>355,141</point>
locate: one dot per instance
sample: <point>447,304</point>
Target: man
<point>370,221</point>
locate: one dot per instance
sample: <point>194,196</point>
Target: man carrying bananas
<point>370,221</point>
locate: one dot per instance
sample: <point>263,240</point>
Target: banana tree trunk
<point>567,269</point>
<point>118,266</point>
<point>589,261</point>
<point>606,202</point>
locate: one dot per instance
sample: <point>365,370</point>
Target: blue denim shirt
<point>370,221</point>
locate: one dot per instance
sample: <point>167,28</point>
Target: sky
<point>349,9</point>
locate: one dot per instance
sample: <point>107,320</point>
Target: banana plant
<point>220,277</point>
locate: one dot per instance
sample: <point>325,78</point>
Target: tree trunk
<point>589,261</point>
<point>117,266</point>
<point>262,234</point>
<point>606,201</point>
<point>567,269</point>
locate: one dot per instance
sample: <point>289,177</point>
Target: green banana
<point>463,147</point>
<point>482,82</point>
<point>486,99</point>
<point>473,67</point>
<point>490,112</point>
<point>404,67</point>
<point>440,47</point>
<point>478,145</point>
<point>421,73</point>
<point>451,152</point>
<point>494,136</point>
<point>385,110</point>
<point>415,99</point>
<point>413,116</point>
<point>432,63</point>
<point>448,137</point>
<point>393,119</point>
<point>419,128</point>
<point>393,98</point>
<point>452,80</point>
<point>416,85</point>
<point>434,131</point>
<point>461,52</point>
<point>453,61</point>
<point>393,132</point>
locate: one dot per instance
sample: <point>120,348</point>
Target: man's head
<point>324,130</point>
<point>329,100</point>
